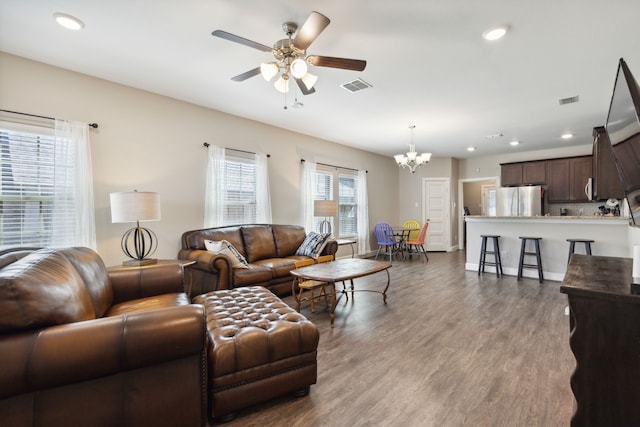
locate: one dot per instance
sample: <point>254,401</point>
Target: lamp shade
<point>325,208</point>
<point>132,206</point>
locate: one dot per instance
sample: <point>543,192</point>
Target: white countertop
<point>552,219</point>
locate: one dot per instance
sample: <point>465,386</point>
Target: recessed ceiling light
<point>495,33</point>
<point>69,22</point>
<point>471,148</point>
<point>514,143</point>
<point>567,136</point>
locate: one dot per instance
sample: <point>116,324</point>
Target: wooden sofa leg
<point>302,392</point>
<point>226,418</point>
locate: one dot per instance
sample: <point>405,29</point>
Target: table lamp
<point>325,208</point>
<point>135,206</point>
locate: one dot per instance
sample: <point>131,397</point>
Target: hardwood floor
<point>449,349</point>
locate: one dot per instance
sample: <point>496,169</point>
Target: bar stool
<point>523,252</point>
<point>572,246</point>
<point>496,254</point>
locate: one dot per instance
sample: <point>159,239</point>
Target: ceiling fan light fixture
<point>282,84</point>
<point>269,70</point>
<point>309,80</point>
<point>298,68</point>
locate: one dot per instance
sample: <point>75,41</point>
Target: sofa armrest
<point>330,248</point>
<point>131,283</point>
<point>210,271</point>
<point>75,352</point>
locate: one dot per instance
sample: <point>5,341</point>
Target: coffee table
<point>340,271</point>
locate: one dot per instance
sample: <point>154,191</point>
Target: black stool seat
<point>497,262</point>
<point>572,246</point>
<point>537,254</point>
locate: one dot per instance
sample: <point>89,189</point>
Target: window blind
<point>28,184</point>
<point>240,194</point>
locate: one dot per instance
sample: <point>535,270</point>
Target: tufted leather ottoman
<point>259,348</point>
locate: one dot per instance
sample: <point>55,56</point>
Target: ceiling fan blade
<point>241,40</point>
<point>303,88</point>
<point>343,63</point>
<point>246,75</point>
<point>310,30</point>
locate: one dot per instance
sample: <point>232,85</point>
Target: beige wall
<point>411,189</point>
<point>154,143</point>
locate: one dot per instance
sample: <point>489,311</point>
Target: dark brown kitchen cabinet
<point>534,173</point>
<point>523,173</point>
<point>511,174</point>
<point>606,182</point>
<point>558,180</point>
<point>567,179</point>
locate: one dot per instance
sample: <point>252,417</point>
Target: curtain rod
<point>334,166</point>
<point>206,144</point>
<point>93,125</point>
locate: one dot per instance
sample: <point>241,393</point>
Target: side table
<point>350,242</point>
<point>184,264</point>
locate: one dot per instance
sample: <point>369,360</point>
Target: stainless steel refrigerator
<point>519,201</point>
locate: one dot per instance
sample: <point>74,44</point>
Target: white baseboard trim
<point>509,271</point>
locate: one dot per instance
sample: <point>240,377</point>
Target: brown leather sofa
<point>269,249</point>
<point>82,347</point>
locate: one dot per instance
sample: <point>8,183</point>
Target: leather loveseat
<point>269,249</point>
<point>80,346</point>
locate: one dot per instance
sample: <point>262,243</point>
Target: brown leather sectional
<point>81,344</point>
<point>81,348</point>
<point>269,248</point>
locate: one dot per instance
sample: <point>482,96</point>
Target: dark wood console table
<point>605,340</point>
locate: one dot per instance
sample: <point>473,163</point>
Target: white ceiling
<point>426,60</point>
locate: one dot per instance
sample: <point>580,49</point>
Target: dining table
<point>402,236</point>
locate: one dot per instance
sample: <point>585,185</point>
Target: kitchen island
<point>610,235</point>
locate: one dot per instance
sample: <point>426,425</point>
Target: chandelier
<point>411,160</point>
<point>291,62</point>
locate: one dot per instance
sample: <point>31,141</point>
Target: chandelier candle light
<point>138,243</point>
<point>412,159</point>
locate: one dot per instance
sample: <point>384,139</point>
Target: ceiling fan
<point>291,55</point>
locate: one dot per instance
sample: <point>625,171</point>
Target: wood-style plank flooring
<point>449,349</point>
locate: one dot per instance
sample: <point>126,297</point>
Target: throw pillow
<point>225,248</point>
<point>313,244</point>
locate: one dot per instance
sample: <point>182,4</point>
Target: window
<point>43,200</point>
<point>240,193</point>
<point>341,186</point>
<point>348,205</point>
<point>26,188</point>
<point>237,188</point>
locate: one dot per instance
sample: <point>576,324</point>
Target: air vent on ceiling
<point>569,100</point>
<point>356,85</point>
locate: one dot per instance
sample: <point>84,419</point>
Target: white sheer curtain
<point>363,213</point>
<point>306,194</point>
<point>73,219</point>
<point>263,194</point>
<point>215,186</point>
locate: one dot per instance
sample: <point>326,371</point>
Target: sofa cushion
<point>225,248</point>
<point>42,289</point>
<point>252,275</point>
<point>258,242</point>
<point>279,267</point>
<point>196,239</point>
<point>288,239</point>
<point>313,244</point>
<point>94,274</point>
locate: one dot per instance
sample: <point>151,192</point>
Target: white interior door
<point>435,200</point>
